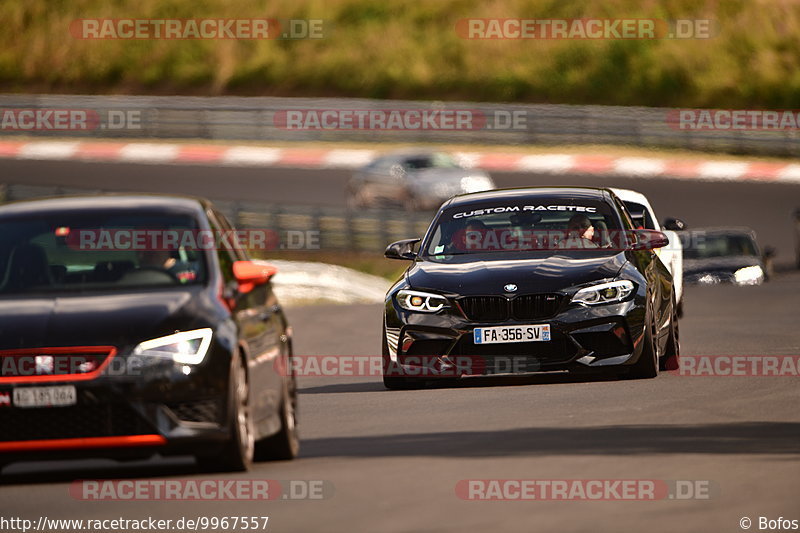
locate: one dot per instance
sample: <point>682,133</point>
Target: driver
<point>156,259</point>
<point>469,237</point>
<point>580,232</point>
<point>166,261</point>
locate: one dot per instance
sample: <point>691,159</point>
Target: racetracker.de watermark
<point>421,119</point>
<point>739,366</point>
<point>585,28</point>
<point>733,119</point>
<point>201,490</point>
<point>197,28</point>
<point>493,240</point>
<point>162,240</point>
<point>52,119</point>
<point>583,489</point>
<point>413,366</point>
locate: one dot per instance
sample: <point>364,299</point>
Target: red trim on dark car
<point>108,351</point>
<point>89,442</point>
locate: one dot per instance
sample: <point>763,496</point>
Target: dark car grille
<point>202,411</point>
<point>535,305</point>
<point>498,308</point>
<point>39,364</point>
<point>488,308</point>
<point>89,418</point>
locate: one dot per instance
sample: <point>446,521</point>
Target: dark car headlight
<point>187,347</point>
<point>422,302</point>
<point>751,275</point>
<point>603,293</point>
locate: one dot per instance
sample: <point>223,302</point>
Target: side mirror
<point>674,224</point>
<point>248,274</point>
<point>648,239</point>
<point>769,252</point>
<point>401,250</point>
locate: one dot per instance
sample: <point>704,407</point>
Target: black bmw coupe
<point>529,280</point>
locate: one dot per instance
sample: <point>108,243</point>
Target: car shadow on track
<point>68,471</point>
<point>333,388</point>
<point>742,438</point>
<point>496,381</point>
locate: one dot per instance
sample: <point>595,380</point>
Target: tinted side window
<point>239,253</point>
<point>225,256</point>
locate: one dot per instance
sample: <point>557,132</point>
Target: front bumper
<point>130,411</point>
<point>593,339</point>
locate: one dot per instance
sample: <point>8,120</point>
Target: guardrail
<point>254,119</point>
<point>299,227</point>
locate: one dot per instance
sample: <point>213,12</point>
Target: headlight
<point>476,184</point>
<point>188,347</point>
<point>614,291</point>
<point>752,275</point>
<point>423,302</point>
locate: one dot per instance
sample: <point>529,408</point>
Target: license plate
<point>504,334</point>
<point>45,396</point>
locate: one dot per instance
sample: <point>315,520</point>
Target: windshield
<point>97,251</point>
<point>720,246</point>
<point>437,160</point>
<point>540,224</point>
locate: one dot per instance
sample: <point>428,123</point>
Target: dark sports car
<point>726,255</point>
<point>528,280</point>
<point>121,338</point>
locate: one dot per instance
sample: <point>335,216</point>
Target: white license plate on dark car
<point>57,396</point>
<point>505,334</point>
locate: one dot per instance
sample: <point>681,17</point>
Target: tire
<point>670,360</point>
<point>237,454</point>
<point>285,444</point>
<point>769,269</point>
<point>647,365</point>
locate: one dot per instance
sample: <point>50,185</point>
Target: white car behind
<point>672,255</point>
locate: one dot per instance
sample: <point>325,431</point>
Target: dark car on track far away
<point>415,180</point>
<point>526,280</point>
<point>725,255</point>
<point>119,338</point>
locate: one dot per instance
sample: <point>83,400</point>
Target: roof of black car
<point>104,202</point>
<point>524,193</point>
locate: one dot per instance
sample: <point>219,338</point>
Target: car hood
<point>477,275</point>
<point>120,320</point>
<point>718,264</point>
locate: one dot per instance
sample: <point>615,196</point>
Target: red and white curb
<point>252,156</point>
